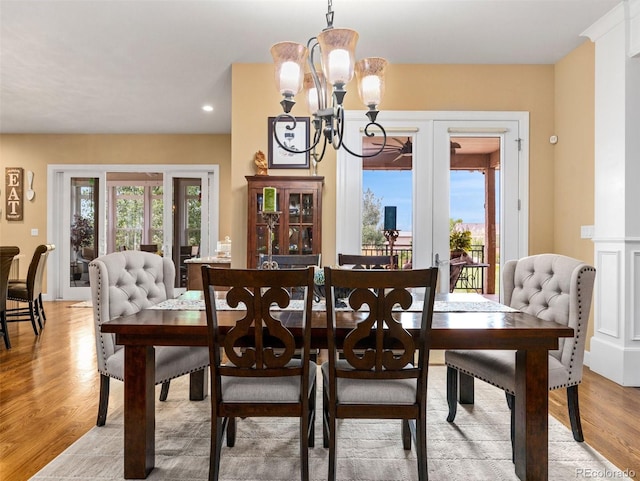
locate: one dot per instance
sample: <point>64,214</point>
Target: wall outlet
<point>586,232</point>
<point>34,232</point>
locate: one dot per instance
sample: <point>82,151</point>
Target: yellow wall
<point>409,87</point>
<point>573,168</point>
<point>559,99</point>
<point>35,152</point>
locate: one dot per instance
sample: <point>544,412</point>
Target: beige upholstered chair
<point>262,377</point>
<point>549,286</point>
<point>29,291</point>
<point>385,379</point>
<point>124,283</point>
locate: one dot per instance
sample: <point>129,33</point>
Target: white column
<point>615,346</point>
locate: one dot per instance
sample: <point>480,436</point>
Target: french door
<point>431,134</point>
<point>114,207</point>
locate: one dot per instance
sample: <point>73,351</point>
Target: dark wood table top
<point>450,330</point>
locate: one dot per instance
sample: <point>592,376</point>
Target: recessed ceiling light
<point>207,108</point>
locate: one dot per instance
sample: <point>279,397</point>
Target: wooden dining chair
<point>367,262</point>
<point>29,291</point>
<point>380,370</point>
<point>291,261</point>
<point>552,287</point>
<point>149,248</point>
<point>7,253</point>
<point>261,376</point>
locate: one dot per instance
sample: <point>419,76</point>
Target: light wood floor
<point>49,397</point>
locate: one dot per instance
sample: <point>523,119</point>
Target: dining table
<point>460,321</point>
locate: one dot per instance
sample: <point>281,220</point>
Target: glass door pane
<point>187,223</point>
<point>387,181</point>
<point>136,211</point>
<point>83,228</point>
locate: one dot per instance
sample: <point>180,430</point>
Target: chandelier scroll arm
<point>369,134</point>
<point>294,122</point>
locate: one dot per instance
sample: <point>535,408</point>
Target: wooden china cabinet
<point>299,228</point>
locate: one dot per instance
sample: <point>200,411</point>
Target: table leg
<point>139,411</point>
<point>532,415</point>
<point>198,382</point>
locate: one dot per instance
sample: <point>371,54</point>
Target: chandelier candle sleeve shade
<point>338,47</point>
<point>370,74</point>
<point>289,58</point>
<point>268,199</point>
<point>331,65</point>
<point>390,217</point>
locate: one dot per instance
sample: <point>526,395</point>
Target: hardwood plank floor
<point>49,397</point>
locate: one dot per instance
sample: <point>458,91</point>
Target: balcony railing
<point>404,254</point>
<point>473,279</point>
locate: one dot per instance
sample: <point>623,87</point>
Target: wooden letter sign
<point>14,193</point>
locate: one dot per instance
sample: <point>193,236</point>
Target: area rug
<point>476,447</point>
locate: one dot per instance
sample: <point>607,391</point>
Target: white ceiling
<point>147,66</point>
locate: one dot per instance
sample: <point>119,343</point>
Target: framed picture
<point>297,138</point>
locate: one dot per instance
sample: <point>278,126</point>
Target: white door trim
<point>56,213</point>
<point>429,162</point>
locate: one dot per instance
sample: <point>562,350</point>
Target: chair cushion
<point>371,391</point>
<point>499,367</point>
<point>266,389</point>
<point>17,290</point>
<point>171,362</point>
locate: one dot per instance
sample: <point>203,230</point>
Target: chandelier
<point>324,86</point>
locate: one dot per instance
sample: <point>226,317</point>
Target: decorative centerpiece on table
<point>319,292</point>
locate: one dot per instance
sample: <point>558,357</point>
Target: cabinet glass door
<point>301,217</point>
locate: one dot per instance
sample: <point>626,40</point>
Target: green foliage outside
<point>194,204</point>
<point>371,220</point>
<point>81,232</point>
<point>459,238</point>
<point>130,217</point>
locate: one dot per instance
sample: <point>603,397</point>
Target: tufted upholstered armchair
<point>551,287</point>
<point>124,283</point>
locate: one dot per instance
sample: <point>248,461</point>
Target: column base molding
<point>615,362</point>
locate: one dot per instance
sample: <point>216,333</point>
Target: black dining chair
<point>29,291</point>
<point>7,253</point>
<point>368,262</point>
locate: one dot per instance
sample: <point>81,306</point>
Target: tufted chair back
<point>124,283</point>
<point>555,288</point>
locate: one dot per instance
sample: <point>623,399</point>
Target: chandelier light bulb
<point>290,78</point>
<point>311,94</point>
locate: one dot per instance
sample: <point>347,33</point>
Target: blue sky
<point>394,188</point>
